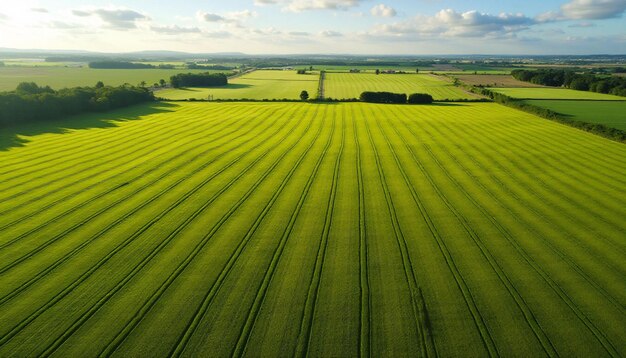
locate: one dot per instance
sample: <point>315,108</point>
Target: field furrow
<point>313,229</point>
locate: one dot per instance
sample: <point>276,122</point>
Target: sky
<point>394,27</point>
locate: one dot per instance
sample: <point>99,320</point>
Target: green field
<point>282,229</point>
<point>350,85</point>
<point>609,113</point>
<point>265,84</point>
<point>555,93</point>
<point>61,77</point>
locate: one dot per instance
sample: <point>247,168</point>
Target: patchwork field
<point>494,81</point>
<point>609,113</point>
<point>349,85</point>
<point>555,93</point>
<point>62,77</point>
<point>255,85</point>
<point>281,229</point>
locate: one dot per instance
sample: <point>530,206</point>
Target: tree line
<point>198,80</point>
<point>124,65</point>
<point>196,66</point>
<point>578,81</point>
<point>30,102</point>
<point>398,98</point>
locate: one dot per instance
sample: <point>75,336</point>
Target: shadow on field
<point>447,104</point>
<point>16,135</point>
<point>232,86</point>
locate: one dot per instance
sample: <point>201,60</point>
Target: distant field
<point>296,229</point>
<point>255,85</point>
<point>38,63</point>
<point>609,113</point>
<point>494,81</point>
<point>61,77</point>
<point>350,85</point>
<point>366,68</point>
<point>555,93</point>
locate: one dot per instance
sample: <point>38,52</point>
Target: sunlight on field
<point>218,229</point>
<point>256,85</point>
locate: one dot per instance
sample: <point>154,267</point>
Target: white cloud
<point>120,18</point>
<point>208,17</point>
<point>81,13</point>
<point>383,10</point>
<point>175,30</point>
<point>241,15</point>
<point>231,17</point>
<point>329,33</point>
<point>265,2</point>
<point>593,9</point>
<point>115,18</point>
<point>40,9</point>
<point>586,10</point>
<point>449,23</point>
<point>305,5</point>
<point>3,17</point>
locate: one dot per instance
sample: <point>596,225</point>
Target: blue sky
<point>319,26</point>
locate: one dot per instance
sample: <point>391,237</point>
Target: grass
<point>609,113</point>
<point>347,85</point>
<point>264,84</point>
<point>555,93</point>
<point>61,77</point>
<point>280,229</point>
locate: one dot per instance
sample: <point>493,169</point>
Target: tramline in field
<point>208,229</point>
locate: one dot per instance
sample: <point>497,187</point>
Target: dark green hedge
<point>198,80</point>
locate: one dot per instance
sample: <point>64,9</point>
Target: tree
<point>304,95</point>
<point>310,68</point>
<point>579,84</point>
<point>100,84</point>
<point>162,82</point>
<point>377,71</point>
<point>142,84</point>
<point>417,70</point>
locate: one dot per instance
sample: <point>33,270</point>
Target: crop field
<point>494,81</point>
<point>282,229</point>
<point>609,113</point>
<point>61,77</point>
<point>254,85</point>
<point>350,85</point>
<point>555,93</point>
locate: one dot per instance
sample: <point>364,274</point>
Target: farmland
<point>609,113</point>
<point>280,229</point>
<point>348,85</point>
<point>555,93</point>
<point>494,81</point>
<point>255,85</point>
<point>60,77</point>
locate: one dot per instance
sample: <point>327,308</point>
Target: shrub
<point>420,98</point>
